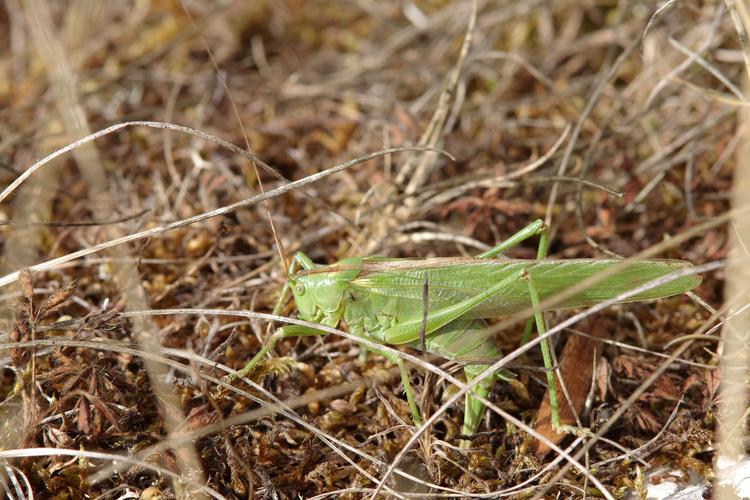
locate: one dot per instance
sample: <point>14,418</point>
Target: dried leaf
<point>200,417</point>
<point>602,378</point>
<point>71,378</point>
<point>235,470</point>
<point>645,419</point>
<point>692,380</point>
<point>56,301</point>
<point>21,332</point>
<point>27,285</point>
<point>625,364</point>
<point>713,380</point>
<point>83,421</point>
<point>104,410</point>
<point>663,388</point>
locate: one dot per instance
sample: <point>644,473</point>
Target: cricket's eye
<point>299,289</point>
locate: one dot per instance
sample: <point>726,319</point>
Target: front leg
<point>285,331</point>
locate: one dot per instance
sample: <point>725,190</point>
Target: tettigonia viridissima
<point>439,305</point>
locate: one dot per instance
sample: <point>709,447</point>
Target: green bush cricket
<point>439,305</point>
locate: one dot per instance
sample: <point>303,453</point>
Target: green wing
<point>451,280</point>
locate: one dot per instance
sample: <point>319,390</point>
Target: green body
<point>375,294</point>
<point>440,304</point>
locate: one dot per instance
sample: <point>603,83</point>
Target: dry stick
<point>640,453</point>
<point>436,126</point>
<point>429,201</point>
<point>167,142</point>
<point>105,222</point>
<point>738,12</point>
<point>656,158</point>
<point>723,322</point>
<point>159,261</point>
<point>113,128</point>
<point>642,350</point>
<point>735,359</point>
<point>695,57</point>
<point>419,172</point>
<point>532,343</point>
<point>12,474</point>
<point>428,236</point>
<point>652,20</point>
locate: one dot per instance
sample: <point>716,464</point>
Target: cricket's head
<point>319,290</point>
<point>307,309</point>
